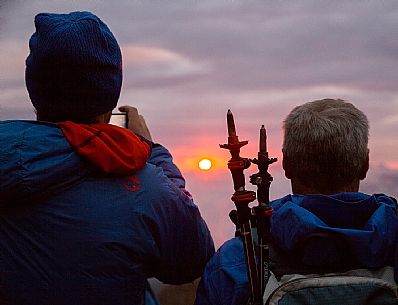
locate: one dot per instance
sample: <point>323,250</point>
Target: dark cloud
<point>4,7</point>
<point>381,179</point>
<point>13,113</point>
<point>262,45</point>
<point>259,58</point>
<point>255,45</point>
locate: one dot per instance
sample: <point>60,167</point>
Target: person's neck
<point>102,118</point>
<point>299,188</point>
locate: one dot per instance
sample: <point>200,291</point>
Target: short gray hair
<point>326,142</point>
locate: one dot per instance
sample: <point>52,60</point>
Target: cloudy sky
<point>187,62</point>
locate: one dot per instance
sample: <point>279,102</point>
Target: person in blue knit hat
<point>74,69</point>
<point>89,211</point>
<point>326,225</point>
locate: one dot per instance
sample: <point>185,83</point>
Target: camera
<point>119,119</point>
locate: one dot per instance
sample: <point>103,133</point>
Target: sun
<point>205,164</point>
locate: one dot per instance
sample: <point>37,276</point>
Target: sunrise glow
<point>204,164</point>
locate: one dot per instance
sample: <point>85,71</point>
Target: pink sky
<point>186,63</point>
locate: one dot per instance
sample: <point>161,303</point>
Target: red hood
<point>113,149</point>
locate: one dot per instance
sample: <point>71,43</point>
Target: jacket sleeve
<point>224,280</point>
<point>182,240</point>
<point>161,157</point>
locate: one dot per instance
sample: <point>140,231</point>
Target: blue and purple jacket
<point>88,213</point>
<point>367,223</point>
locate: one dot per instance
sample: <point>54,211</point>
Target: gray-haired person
<point>325,156</point>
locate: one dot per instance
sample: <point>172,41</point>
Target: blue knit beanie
<point>74,69</point>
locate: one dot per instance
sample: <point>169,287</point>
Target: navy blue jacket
<point>369,224</point>
<point>72,234</point>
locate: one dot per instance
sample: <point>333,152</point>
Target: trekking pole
<point>241,199</point>
<point>263,211</point>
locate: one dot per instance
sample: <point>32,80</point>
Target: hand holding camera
<point>135,122</point>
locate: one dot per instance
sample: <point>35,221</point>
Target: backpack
<point>355,287</point>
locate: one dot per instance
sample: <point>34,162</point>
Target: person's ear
<point>365,168</point>
<point>103,118</point>
<point>287,167</point>
<point>108,116</point>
